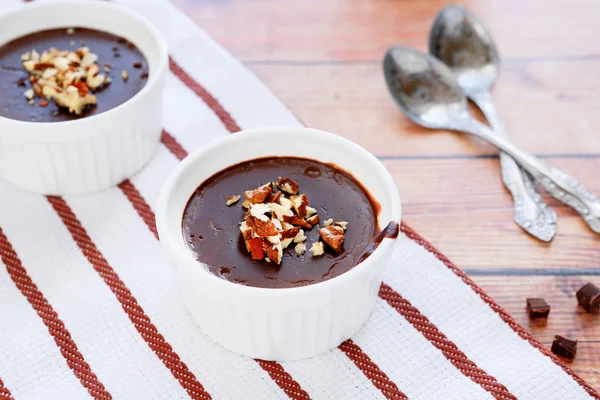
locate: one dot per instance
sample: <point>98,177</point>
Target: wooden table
<point>323,59</point>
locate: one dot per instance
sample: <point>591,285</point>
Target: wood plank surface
<point>322,58</point>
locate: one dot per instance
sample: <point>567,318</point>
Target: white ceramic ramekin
<point>277,324</point>
<point>100,151</point>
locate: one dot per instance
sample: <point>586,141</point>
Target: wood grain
<point>322,58</point>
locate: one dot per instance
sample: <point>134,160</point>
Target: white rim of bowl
<point>161,65</point>
<point>168,189</point>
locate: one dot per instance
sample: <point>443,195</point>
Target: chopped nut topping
<point>259,210</point>
<point>259,194</point>
<point>274,252</point>
<point>29,93</point>
<point>273,222</point>
<point>328,222</point>
<point>300,237</point>
<point>287,185</point>
<point>317,249</point>
<point>274,197</point>
<point>300,248</point>
<point>280,211</point>
<point>67,77</point>
<point>124,75</point>
<point>297,221</point>
<point>290,233</point>
<point>286,242</point>
<point>232,199</point>
<point>262,228</point>
<point>314,220</point>
<point>300,203</point>
<point>255,246</point>
<point>333,236</point>
<point>342,224</point>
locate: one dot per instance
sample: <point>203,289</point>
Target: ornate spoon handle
<point>560,185</point>
<point>530,211</point>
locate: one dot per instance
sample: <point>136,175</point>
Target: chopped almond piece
<point>259,210</point>
<point>290,233</point>
<point>310,211</point>
<point>287,185</point>
<point>274,197</point>
<point>317,249</point>
<point>232,199</point>
<point>286,225</point>
<point>277,224</point>
<point>285,203</point>
<point>300,248</point>
<point>259,194</point>
<point>342,224</point>
<point>262,228</point>
<point>333,236</point>
<point>286,242</point>
<point>314,220</point>
<point>280,211</point>
<point>300,237</point>
<point>255,246</point>
<point>300,203</point>
<point>297,221</point>
<point>274,251</point>
<point>328,222</point>
<point>247,204</point>
<point>246,231</point>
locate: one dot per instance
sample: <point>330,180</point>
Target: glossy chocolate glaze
<point>390,232</point>
<point>211,228</point>
<point>116,51</point>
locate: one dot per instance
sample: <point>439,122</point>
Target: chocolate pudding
<point>281,222</point>
<point>122,66</point>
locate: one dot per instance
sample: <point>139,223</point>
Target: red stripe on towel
<point>4,392</point>
<point>141,207</point>
<point>134,311</point>
<point>442,343</point>
<point>372,371</point>
<point>284,380</point>
<point>208,98</point>
<point>54,324</point>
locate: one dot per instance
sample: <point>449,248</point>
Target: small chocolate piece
<point>564,347</point>
<point>538,308</point>
<point>21,82</point>
<point>137,65</point>
<point>589,297</point>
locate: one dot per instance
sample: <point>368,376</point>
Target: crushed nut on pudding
<point>280,222</point>
<point>66,74</point>
<point>67,77</point>
<point>274,221</point>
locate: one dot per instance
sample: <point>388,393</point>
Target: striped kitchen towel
<point>90,309</point>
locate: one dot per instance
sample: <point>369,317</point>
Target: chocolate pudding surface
<point>120,54</point>
<point>212,229</point>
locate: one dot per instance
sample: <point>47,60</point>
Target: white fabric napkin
<point>90,309</point>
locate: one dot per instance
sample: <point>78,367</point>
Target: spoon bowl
<point>466,46</point>
<point>423,87</point>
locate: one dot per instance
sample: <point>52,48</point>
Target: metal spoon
<point>464,44</point>
<point>427,92</point>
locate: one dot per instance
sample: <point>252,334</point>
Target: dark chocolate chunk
<point>589,297</point>
<point>538,308</point>
<point>564,347</point>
